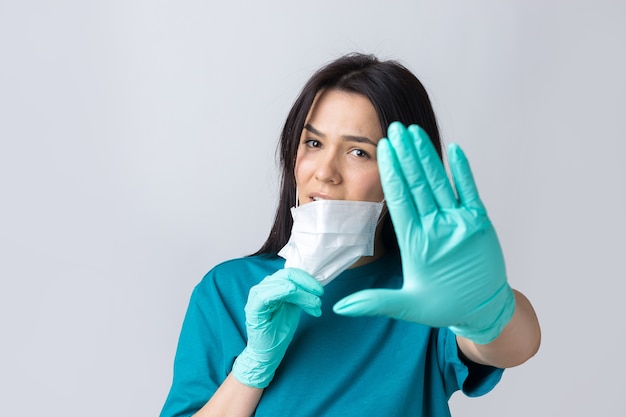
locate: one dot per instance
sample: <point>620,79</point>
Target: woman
<point>428,313</point>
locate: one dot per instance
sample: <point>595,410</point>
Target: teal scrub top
<point>335,365</point>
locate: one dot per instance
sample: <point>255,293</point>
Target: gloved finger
<point>305,280</point>
<point>373,302</point>
<point>309,303</point>
<point>410,165</point>
<point>308,293</point>
<point>289,285</point>
<point>397,194</point>
<point>433,169</point>
<point>464,179</point>
<point>263,302</point>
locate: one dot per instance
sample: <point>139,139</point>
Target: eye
<point>360,153</point>
<point>312,143</point>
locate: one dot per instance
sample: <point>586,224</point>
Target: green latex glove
<point>272,316</point>
<point>453,268</point>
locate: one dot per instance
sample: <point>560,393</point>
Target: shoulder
<point>245,266</point>
<point>241,272</point>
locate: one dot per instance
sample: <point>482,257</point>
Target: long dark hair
<point>396,94</point>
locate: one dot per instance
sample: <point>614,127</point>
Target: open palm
<point>453,267</point>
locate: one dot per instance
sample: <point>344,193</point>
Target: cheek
<point>376,188</point>
<point>302,168</point>
<point>369,186</point>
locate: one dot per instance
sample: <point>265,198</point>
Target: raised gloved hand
<point>453,268</point>
<point>272,316</point>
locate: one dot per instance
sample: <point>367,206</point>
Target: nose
<point>328,170</point>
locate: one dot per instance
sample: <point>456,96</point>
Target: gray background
<point>137,151</point>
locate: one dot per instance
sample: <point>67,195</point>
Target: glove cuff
<point>250,370</point>
<point>488,321</point>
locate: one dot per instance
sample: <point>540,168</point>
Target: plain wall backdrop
<point>138,150</point>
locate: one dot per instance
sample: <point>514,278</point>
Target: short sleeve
<point>213,333</point>
<point>473,380</point>
<point>193,382</point>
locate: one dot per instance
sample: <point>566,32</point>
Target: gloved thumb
<point>373,302</point>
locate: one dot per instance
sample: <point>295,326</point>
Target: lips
<point>320,196</point>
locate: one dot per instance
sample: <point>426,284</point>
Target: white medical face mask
<point>328,236</point>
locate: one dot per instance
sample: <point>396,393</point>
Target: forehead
<point>340,112</point>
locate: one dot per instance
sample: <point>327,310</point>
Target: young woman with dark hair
<point>395,93</point>
<point>419,305</point>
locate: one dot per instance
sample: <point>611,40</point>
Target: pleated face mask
<point>328,236</point>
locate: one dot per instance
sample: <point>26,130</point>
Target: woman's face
<point>336,158</point>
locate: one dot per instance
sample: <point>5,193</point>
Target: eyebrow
<point>350,138</point>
